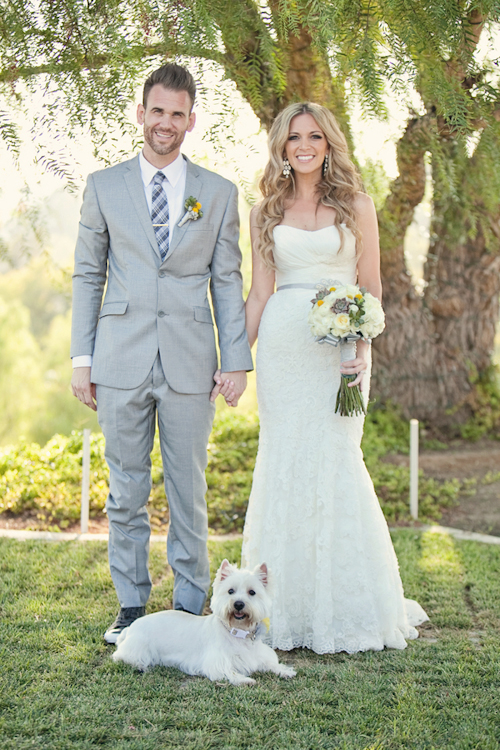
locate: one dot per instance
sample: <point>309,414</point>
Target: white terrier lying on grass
<point>224,645</point>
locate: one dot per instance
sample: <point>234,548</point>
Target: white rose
<point>324,310</point>
<point>342,322</point>
<point>319,324</point>
<point>373,322</point>
<point>320,328</point>
<point>338,293</point>
<point>368,331</point>
<point>351,291</point>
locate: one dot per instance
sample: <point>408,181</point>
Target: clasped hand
<point>230,385</point>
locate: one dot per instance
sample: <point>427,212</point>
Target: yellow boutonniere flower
<point>193,211</point>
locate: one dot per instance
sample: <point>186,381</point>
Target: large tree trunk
<point>437,347</point>
<point>462,294</point>
<point>403,355</point>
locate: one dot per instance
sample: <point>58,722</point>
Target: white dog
<point>224,645</point>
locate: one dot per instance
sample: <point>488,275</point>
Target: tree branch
<point>457,67</point>
<point>95,62</point>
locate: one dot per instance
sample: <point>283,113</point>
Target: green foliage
<point>232,452</point>
<point>88,58</point>
<point>35,369</point>
<point>392,485</point>
<point>486,406</point>
<point>491,477</point>
<point>20,372</point>
<point>9,134</point>
<point>387,432</point>
<point>375,182</point>
<point>45,482</point>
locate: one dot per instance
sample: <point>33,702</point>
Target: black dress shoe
<point>181,609</point>
<point>124,618</point>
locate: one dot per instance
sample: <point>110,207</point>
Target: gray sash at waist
<point>297,286</point>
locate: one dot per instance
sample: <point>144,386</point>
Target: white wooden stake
<point>414,468</point>
<point>84,518</point>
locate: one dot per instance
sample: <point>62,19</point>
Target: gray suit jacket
<point>150,306</point>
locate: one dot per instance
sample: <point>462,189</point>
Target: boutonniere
<point>193,211</point>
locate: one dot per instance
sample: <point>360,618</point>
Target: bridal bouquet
<point>342,314</point>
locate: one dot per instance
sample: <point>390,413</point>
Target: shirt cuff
<point>83,360</point>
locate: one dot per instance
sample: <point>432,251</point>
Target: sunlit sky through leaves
<point>243,158</point>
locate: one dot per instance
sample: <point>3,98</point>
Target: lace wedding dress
<point>313,515</point>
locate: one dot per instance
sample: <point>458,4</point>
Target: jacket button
<point>161,274</point>
<point>161,314</point>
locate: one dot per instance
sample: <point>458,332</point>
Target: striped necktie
<point>159,214</point>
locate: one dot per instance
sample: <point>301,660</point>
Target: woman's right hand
<point>356,367</point>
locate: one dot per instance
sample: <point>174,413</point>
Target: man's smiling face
<point>166,119</point>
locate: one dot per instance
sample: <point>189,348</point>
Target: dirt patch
<point>29,522</point>
<point>478,466</point>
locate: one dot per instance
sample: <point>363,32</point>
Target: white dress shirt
<point>174,187</point>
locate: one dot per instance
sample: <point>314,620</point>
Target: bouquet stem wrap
<point>349,399</point>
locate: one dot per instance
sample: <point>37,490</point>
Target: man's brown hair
<point>170,76</point>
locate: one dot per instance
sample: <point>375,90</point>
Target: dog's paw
<point>242,680</point>
<point>286,672</point>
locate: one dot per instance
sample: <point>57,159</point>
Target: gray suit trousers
<point>128,421</point>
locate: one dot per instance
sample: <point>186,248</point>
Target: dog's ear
<point>262,572</point>
<point>225,569</point>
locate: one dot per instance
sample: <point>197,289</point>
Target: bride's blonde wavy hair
<point>337,188</point>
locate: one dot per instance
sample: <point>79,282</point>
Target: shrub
<point>387,432</point>
<point>45,483</point>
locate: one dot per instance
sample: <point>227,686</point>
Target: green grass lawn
<point>59,688</point>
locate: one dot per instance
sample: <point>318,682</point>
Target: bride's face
<point>306,146</point>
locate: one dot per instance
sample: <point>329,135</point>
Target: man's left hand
<point>230,385</point>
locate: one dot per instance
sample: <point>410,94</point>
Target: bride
<point>313,515</point>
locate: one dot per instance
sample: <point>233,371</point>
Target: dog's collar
<point>245,635</point>
<point>248,635</point>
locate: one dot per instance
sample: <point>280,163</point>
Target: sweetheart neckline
<point>309,231</point>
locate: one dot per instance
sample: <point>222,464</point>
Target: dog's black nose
<point>239,606</point>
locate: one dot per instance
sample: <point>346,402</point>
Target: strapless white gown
<point>313,514</point>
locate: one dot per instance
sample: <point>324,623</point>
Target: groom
<point>147,352</point>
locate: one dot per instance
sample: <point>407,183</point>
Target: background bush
<point>44,484</point>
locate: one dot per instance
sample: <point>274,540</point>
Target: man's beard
<point>163,148</point>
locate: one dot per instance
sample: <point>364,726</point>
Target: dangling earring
<point>325,165</point>
<point>286,167</point>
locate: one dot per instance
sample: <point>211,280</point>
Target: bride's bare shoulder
<point>255,215</point>
<point>363,204</point>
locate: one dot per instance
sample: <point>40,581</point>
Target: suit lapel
<point>194,185</point>
<point>135,187</point>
